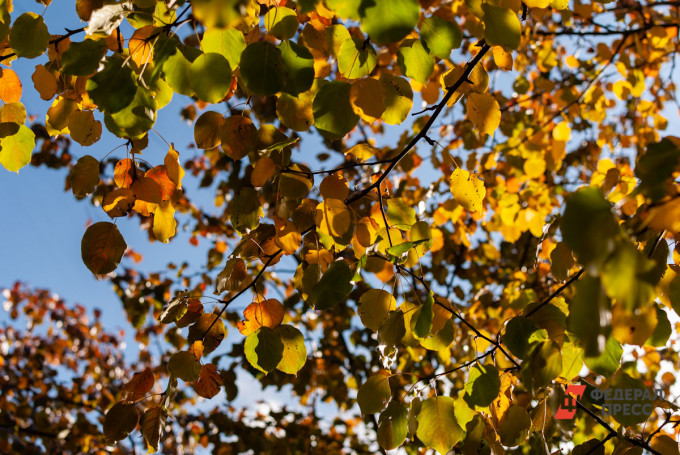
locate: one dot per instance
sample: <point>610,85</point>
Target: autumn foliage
<point>432,215</point>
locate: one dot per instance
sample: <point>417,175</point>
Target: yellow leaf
<point>534,167</point>
<point>173,167</point>
<point>140,46</point>
<point>484,112</point>
<point>467,189</point>
<point>561,132</point>
<point>10,86</point>
<point>333,218</point>
<point>537,3</point>
<point>85,130</point>
<point>334,187</point>
<point>502,58</point>
<point>664,216</point>
<point>363,151</point>
<point>287,236</point>
<point>45,82</point>
<point>268,313</point>
<point>58,115</point>
<point>164,223</point>
<point>633,327</point>
<point>118,202</point>
<point>367,97</point>
<point>265,168</point>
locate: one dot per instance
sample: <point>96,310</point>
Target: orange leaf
<point>209,383</point>
<point>45,82</point>
<point>239,136</point>
<point>141,47</point>
<point>160,175</point>
<point>138,386</point>
<point>148,194</point>
<point>287,236</point>
<point>123,173</point>
<point>10,86</point>
<point>173,167</point>
<point>261,314</point>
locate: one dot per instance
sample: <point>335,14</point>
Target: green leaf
<point>514,426</point>
<point>213,337</point>
<point>400,214</point>
<point>656,167</point>
<point>219,13</point>
<point>120,421</point>
<point>609,361</point>
<point>333,287</point>
<point>635,389</point>
<point>333,113</point>
<point>345,9</point>
<point>113,88</point>
<point>135,119</point>
<point>561,261</point>
<point>262,69</point>
<point>245,210</point>
<point>299,63</point>
<point>502,26</point>
<point>620,276</point>
<point>210,76</point>
<point>152,425</point>
<point>264,349</point>
<point>392,426</point>
<point>176,72</point>
<point>82,59</point>
<point>440,36</point>
<point>423,325</point>
<point>588,226</point>
<point>184,365</point>
<point>585,310</point>
<point>520,333</point>
<point>16,150</point>
<point>414,61</point>
<point>543,364</point>
<point>102,247</point>
<point>388,21</point>
<point>374,394</point>
<point>175,309</point>
<point>440,340</point>
<point>294,353</point>
<point>84,176</point>
<point>398,250</point>
<point>356,59</point>
<point>572,363</point>
<point>281,22</point>
<point>393,330</point>
<point>29,36</point>
<point>228,42</point>
<point>663,329</point>
<point>398,98</point>
<point>374,306</point>
<point>437,424</point>
<point>483,385</point>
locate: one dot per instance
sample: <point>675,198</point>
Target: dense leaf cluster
<point>489,219</point>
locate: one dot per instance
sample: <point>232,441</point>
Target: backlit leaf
<point>374,306</point>
<point>333,287</point>
<point>392,426</point>
<point>152,425</point>
<point>138,386</point>
<point>210,76</point>
<point>437,424</point>
<point>267,313</point>
<point>264,349</point>
<point>468,190</point>
<point>16,149</point>
<point>502,26</point>
<point>334,116</point>
<point>209,328</point>
<point>82,59</point>
<point>263,69</point>
<point>388,21</point>
<point>209,382</point>
<point>184,365</point>
<point>164,223</point>
<point>374,394</point>
<point>10,86</point>
<point>294,353</point>
<point>484,112</point>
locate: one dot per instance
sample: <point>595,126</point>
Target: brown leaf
<point>138,386</point>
